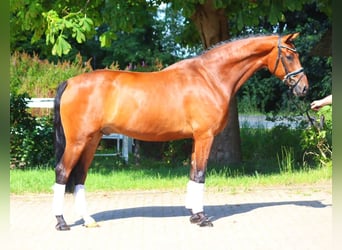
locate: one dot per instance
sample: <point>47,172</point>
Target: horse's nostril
<point>304,90</point>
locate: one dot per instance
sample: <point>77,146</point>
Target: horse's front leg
<point>195,187</point>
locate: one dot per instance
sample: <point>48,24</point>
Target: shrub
<point>31,139</point>
<point>316,140</point>
<point>40,78</point>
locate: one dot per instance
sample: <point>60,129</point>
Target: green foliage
<point>316,140</point>
<point>25,18</point>
<point>64,20</point>
<point>31,140</point>
<point>138,50</point>
<point>78,24</point>
<point>258,94</point>
<point>178,152</point>
<point>286,160</point>
<point>39,78</point>
<point>260,145</point>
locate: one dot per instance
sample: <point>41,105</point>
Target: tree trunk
<point>212,25</point>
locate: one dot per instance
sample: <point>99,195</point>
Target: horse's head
<point>284,63</point>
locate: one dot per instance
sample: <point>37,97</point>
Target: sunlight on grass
<point>307,177</point>
<point>134,180</point>
<point>31,181</point>
<point>41,180</point>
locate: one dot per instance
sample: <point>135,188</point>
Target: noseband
<point>288,78</point>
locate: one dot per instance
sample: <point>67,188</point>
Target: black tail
<point>60,136</point>
<point>58,127</point>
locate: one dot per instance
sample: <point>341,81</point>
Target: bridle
<point>289,77</point>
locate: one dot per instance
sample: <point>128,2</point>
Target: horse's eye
<point>289,57</point>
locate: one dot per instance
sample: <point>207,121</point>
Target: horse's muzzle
<point>300,91</point>
<point>299,85</point>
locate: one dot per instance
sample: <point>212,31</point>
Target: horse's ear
<point>289,38</point>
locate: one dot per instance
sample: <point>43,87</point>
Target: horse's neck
<point>234,63</point>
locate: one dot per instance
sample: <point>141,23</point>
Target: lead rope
<point>302,111</point>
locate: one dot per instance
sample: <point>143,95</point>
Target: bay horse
<point>189,99</point>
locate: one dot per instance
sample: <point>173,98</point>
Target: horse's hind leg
<point>63,169</point>
<point>74,164</point>
<point>80,177</point>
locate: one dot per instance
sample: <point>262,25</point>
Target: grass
<point>40,180</point>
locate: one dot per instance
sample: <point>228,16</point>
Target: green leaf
<point>50,38</point>
<point>106,39</point>
<point>68,24</point>
<point>87,24</point>
<point>80,37</point>
<point>61,46</point>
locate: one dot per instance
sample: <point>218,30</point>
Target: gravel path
<point>268,219</point>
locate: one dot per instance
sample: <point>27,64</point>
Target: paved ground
<point>267,219</point>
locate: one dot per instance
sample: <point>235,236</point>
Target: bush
<point>40,78</point>
<point>316,140</point>
<point>31,139</point>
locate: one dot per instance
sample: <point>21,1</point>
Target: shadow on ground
<point>216,211</point>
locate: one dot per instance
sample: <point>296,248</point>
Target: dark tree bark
<point>212,25</point>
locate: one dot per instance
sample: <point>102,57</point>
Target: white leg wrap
<point>58,199</point>
<point>194,196</point>
<point>81,205</point>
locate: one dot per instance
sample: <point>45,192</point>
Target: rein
<point>289,75</point>
<point>302,111</point>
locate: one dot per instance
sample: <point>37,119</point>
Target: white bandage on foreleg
<point>194,196</point>
<point>58,199</point>
<point>80,203</point>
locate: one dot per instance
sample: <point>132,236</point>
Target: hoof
<point>62,227</point>
<point>90,222</point>
<point>61,224</point>
<point>91,225</point>
<point>201,220</point>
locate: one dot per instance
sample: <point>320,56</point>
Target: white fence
<point>123,143</point>
<point>40,102</point>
